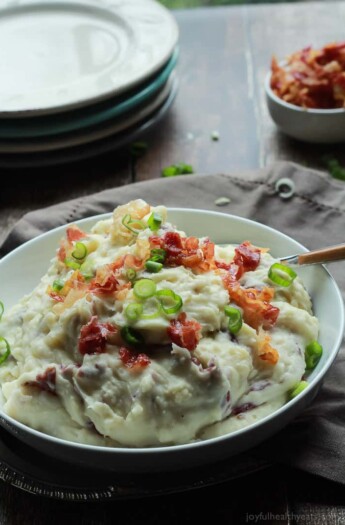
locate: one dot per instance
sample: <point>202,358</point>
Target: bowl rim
<point>312,111</point>
<point>201,444</point>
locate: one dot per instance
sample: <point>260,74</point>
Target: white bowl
<point>310,125</point>
<point>21,270</point>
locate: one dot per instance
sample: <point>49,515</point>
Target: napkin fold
<point>314,215</point>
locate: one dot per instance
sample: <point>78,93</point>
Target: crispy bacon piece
<point>247,257</point>
<point>133,360</point>
<point>257,310</point>
<point>105,282</point>
<point>185,251</point>
<point>266,352</point>
<point>185,332</point>
<point>312,78</point>
<point>74,233</point>
<point>45,381</point>
<point>94,336</point>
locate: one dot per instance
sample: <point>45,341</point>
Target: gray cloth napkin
<point>314,216</point>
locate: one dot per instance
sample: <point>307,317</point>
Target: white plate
<point>92,133</point>
<point>56,55</point>
<point>34,256</point>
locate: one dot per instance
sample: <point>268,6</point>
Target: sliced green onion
<point>7,352</point>
<point>144,288</point>
<point>2,309</point>
<point>281,274</point>
<point>131,274</point>
<point>58,285</point>
<point>153,266</point>
<point>154,221</point>
<point>152,309</point>
<point>131,336</point>
<point>177,169</point>
<point>133,311</point>
<point>70,263</point>
<point>170,301</point>
<point>298,389</point>
<point>80,251</point>
<point>87,269</point>
<point>133,225</point>
<point>235,319</point>
<point>313,353</point>
<point>158,255</point>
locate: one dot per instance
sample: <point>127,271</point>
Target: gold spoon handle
<point>325,255</point>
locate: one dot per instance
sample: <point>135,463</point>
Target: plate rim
<point>77,101</point>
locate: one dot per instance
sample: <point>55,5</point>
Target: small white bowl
<point>310,125</point>
<point>21,270</point>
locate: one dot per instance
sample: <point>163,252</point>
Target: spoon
<point>325,255</point>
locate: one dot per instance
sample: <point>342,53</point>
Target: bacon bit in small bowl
<point>312,78</point>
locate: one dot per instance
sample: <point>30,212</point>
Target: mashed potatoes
<point>140,336</point>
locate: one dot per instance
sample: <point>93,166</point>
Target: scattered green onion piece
<point>80,251</point>
<point>281,274</point>
<point>133,225</point>
<point>152,309</point>
<point>171,302</point>
<point>133,311</point>
<point>235,319</point>
<point>144,288</point>
<point>87,270</point>
<point>154,221</point>
<point>70,263</point>
<point>313,353</point>
<point>58,285</point>
<point>2,309</point>
<point>153,266</point>
<point>177,169</point>
<point>131,274</point>
<point>131,336</point>
<point>298,389</point>
<point>7,352</point>
<point>158,255</point>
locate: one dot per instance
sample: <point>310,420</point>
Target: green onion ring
<point>144,288</point>
<point>313,353</point>
<point>131,336</point>
<point>297,389</point>
<point>154,312</point>
<point>2,309</point>
<point>158,255</point>
<point>133,311</point>
<point>167,296</point>
<point>133,225</point>
<point>80,251</point>
<point>153,266</point>
<point>58,285</point>
<point>275,274</point>
<point>235,319</point>
<point>70,263</point>
<point>154,222</point>
<point>4,356</point>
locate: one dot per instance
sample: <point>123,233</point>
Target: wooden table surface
<point>225,54</point>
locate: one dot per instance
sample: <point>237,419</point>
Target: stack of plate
<point>81,77</point>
